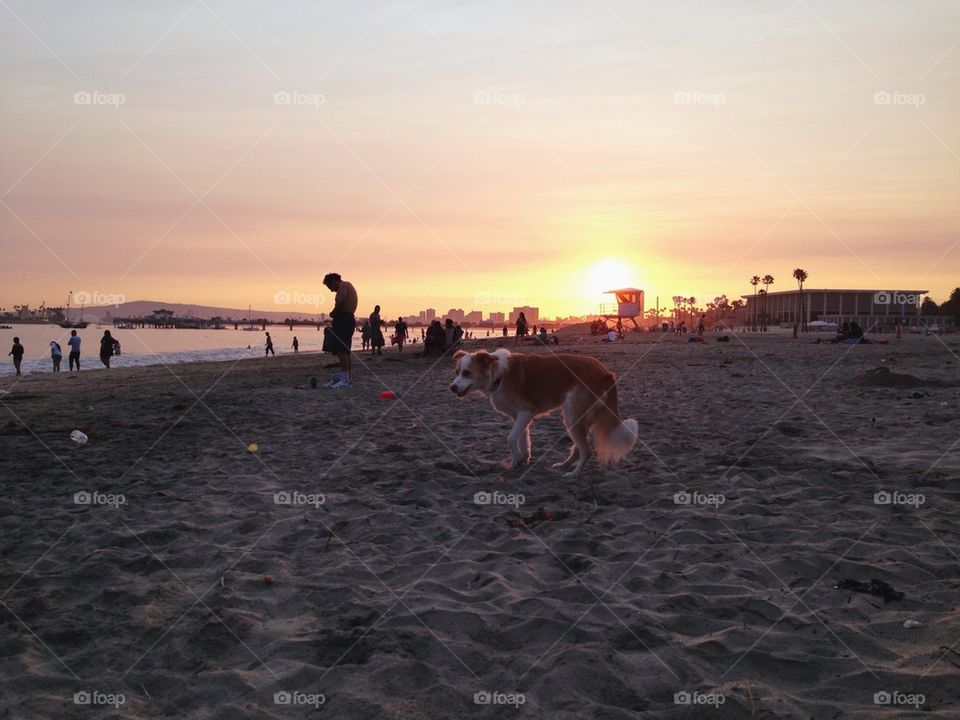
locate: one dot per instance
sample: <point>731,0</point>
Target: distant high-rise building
<point>497,318</point>
<point>474,316</point>
<point>531,313</point>
<point>455,314</point>
<point>429,315</point>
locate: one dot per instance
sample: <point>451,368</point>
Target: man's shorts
<point>338,338</point>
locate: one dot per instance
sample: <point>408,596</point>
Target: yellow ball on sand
<point>253,447</point>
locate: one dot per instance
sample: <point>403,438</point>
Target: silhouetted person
<point>17,352</point>
<point>343,325</point>
<point>296,344</point>
<point>376,332</point>
<point>268,347</point>
<point>56,354</point>
<point>74,343</point>
<point>108,348</point>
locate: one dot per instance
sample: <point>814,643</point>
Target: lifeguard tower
<point>629,306</point>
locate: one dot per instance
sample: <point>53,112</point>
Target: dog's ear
<point>459,354</point>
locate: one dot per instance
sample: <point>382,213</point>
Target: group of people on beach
<point>109,346</point>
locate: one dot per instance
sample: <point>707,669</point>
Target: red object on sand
<point>387,395</point>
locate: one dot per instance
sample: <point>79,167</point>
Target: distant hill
<point>138,308</point>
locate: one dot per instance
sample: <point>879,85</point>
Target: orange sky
<point>476,155</point>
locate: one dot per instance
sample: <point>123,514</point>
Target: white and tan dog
<point>525,387</point>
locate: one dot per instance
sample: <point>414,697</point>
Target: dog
<point>525,387</point>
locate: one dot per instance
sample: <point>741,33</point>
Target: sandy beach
<point>783,541</point>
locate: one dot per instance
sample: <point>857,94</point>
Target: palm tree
<point>767,282</point>
<point>801,276</point>
<point>755,280</point>
<point>692,302</point>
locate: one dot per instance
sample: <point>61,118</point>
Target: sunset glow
<point>538,151</point>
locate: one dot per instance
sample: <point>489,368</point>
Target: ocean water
<point>151,346</point>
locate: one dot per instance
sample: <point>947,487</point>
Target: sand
<point>396,595</point>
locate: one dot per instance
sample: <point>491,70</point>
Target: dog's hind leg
<point>575,410</point>
<point>582,445</point>
<point>519,439</point>
<point>568,420</point>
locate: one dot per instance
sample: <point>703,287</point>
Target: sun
<point>607,274</point>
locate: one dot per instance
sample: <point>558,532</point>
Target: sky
<point>475,154</point>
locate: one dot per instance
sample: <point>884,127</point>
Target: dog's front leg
<point>519,439</point>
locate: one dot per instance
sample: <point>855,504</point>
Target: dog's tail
<point>613,436</point>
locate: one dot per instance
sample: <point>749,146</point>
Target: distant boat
<point>250,326</point>
<point>124,326</point>
<point>80,324</point>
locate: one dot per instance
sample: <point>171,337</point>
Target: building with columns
<point>883,309</point>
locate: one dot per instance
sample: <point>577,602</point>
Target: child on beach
<point>56,354</point>
<point>17,352</point>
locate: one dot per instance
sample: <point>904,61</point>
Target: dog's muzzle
<point>460,393</point>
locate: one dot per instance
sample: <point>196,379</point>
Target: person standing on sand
<point>17,352</point>
<point>268,348</point>
<point>343,325</point>
<point>700,323</point>
<point>296,345</point>
<point>74,343</point>
<point>108,347</point>
<point>376,332</point>
<point>521,328</point>
<point>56,354</point>
<point>400,332</point>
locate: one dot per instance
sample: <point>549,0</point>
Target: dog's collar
<point>496,383</point>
